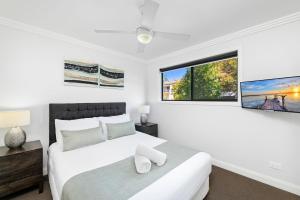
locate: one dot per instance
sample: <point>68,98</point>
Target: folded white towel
<point>142,164</point>
<point>155,156</point>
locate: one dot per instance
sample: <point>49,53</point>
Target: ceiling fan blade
<point>149,10</point>
<point>141,48</point>
<point>172,36</point>
<point>114,31</point>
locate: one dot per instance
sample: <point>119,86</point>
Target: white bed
<point>187,181</point>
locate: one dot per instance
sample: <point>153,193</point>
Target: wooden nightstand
<point>149,128</point>
<point>21,168</point>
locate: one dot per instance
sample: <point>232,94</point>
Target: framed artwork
<point>111,77</point>
<point>81,74</point>
<point>92,75</point>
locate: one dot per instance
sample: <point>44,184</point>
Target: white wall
<point>238,139</point>
<point>31,77</point>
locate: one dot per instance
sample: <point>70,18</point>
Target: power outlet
<point>275,165</point>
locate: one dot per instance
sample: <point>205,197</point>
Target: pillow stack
<point>143,157</point>
<point>78,133</point>
<point>81,138</point>
<point>74,134</point>
<point>104,121</point>
<point>120,130</point>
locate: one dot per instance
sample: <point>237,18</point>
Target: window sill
<point>203,103</point>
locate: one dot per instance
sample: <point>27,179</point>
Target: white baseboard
<point>283,185</point>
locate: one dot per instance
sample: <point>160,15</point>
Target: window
<point>177,84</point>
<point>209,79</point>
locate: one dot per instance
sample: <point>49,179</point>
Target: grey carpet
<point>224,185</point>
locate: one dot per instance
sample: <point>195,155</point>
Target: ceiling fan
<point>144,31</point>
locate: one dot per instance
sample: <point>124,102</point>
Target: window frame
<point>192,64</point>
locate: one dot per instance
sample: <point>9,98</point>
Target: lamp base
<point>15,138</point>
<point>144,119</point>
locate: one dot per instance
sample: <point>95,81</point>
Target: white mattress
<point>180,183</point>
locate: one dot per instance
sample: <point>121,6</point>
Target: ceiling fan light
<point>144,38</point>
<point>144,35</point>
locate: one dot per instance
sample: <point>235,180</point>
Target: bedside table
<point>149,128</point>
<point>21,168</point>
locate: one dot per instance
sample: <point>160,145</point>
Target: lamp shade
<point>14,118</point>
<point>145,109</point>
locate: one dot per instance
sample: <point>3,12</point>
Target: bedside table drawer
<point>19,185</point>
<point>20,166</point>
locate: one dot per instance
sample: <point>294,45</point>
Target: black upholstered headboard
<point>71,111</point>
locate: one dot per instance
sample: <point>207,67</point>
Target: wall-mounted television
<point>279,94</point>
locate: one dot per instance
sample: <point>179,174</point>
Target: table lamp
<point>16,136</point>
<point>144,111</point>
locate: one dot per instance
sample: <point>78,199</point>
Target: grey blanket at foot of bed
<point>120,180</point>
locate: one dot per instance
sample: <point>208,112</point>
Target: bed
<point>189,180</point>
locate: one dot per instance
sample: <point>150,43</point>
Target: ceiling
<point>202,19</point>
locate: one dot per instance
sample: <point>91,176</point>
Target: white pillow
<point>112,120</point>
<point>73,125</point>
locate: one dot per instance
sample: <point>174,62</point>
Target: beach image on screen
<point>275,94</point>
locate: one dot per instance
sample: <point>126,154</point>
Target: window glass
<point>216,80</point>
<point>177,84</point>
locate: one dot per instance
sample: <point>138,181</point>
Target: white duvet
<point>181,183</point>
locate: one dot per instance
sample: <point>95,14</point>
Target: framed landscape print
<point>81,74</point>
<point>110,77</point>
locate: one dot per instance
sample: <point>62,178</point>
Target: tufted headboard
<point>71,111</point>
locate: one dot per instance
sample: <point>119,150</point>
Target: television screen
<point>281,94</point>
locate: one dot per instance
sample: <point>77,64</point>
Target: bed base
<point>54,192</point>
<point>203,191</point>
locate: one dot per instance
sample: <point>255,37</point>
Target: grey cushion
<point>120,129</point>
<point>77,139</point>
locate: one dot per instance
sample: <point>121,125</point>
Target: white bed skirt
<point>54,192</point>
<point>203,191</point>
